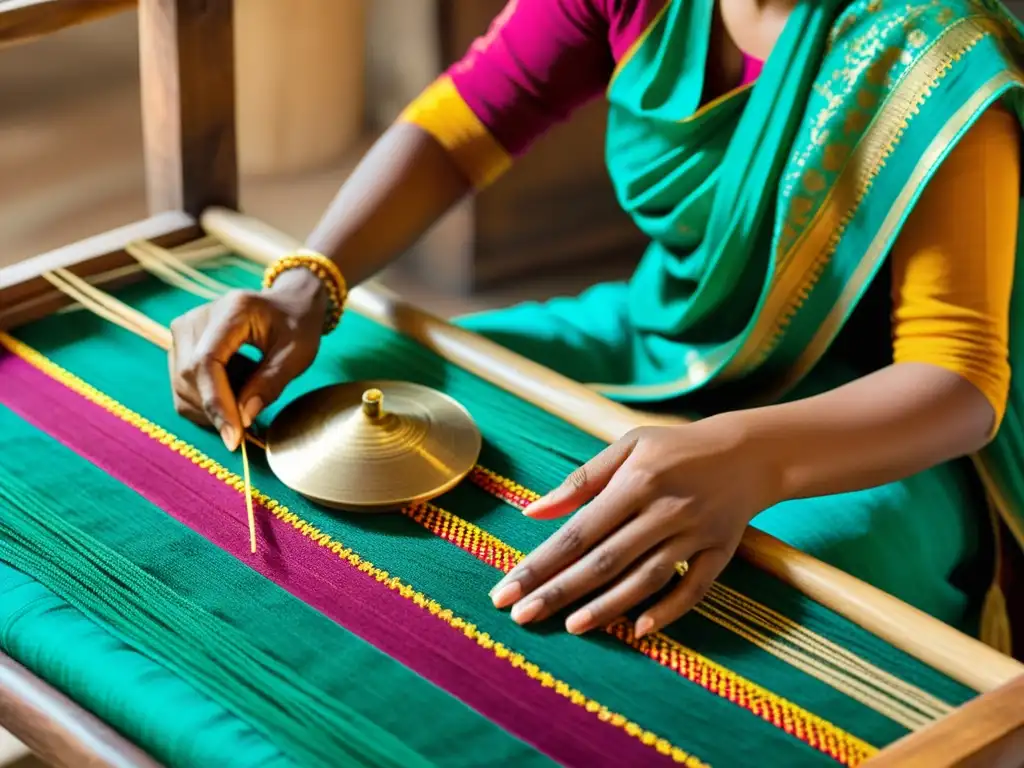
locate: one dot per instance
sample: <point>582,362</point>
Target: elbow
<point>969,403</point>
<point>964,411</point>
<point>980,439</point>
<point>989,435</point>
<point>977,414</point>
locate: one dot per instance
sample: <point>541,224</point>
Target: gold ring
<point>682,567</point>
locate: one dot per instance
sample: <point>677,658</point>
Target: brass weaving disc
<point>372,446</point>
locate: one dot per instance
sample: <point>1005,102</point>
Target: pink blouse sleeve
<point>539,61</point>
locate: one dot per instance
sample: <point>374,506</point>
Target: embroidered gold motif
<point>828,327</point>
<point>813,180</point>
<point>835,156</point>
<point>855,151</point>
<point>916,38</point>
<point>830,128</point>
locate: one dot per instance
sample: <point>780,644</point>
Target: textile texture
<point>361,639</point>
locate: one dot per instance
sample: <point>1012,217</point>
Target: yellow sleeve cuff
<point>443,113</point>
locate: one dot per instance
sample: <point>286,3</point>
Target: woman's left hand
<point>659,497</point>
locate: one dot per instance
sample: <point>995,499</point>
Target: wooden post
<point>188,104</point>
<point>56,729</point>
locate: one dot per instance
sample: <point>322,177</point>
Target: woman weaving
<point>833,235</point>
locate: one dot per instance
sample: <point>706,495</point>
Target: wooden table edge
<point>58,730</point>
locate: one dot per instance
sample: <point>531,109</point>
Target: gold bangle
<point>325,270</point>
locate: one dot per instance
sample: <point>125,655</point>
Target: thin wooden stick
<point>148,256</point>
<point>146,326</point>
<point>248,499</point>
<point>939,645</point>
<point>129,318</point>
<point>86,301</point>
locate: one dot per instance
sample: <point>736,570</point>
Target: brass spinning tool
<point>372,446</point>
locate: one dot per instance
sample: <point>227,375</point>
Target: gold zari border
<point>879,245</point>
<point>798,270</point>
<point>803,266</point>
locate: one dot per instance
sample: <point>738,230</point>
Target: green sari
<point>741,294</point>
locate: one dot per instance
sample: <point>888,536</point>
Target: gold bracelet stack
<point>325,270</point>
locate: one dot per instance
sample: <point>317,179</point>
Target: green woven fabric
<point>376,701</point>
<point>151,705</point>
<point>303,697</point>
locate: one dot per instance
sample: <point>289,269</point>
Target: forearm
<point>465,129</point>
<point>878,429</point>
<point>402,187</point>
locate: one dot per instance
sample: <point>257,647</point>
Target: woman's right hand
<point>284,323</point>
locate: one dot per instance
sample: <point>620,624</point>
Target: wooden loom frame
<point>187,70</point>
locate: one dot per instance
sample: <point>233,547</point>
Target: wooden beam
<point>24,20</point>
<point>987,732</point>
<point>25,296</point>
<point>188,104</point>
<point>56,729</point>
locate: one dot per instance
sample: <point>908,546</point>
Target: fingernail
<point>579,622</point>
<point>507,595</point>
<point>643,625</point>
<point>524,614</point>
<point>229,436</point>
<point>251,410</point>
<point>540,502</point>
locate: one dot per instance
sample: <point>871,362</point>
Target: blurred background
<point>317,80</point>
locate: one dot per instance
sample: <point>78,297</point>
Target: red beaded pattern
<point>809,728</point>
<point>816,732</point>
<point>507,490</point>
<point>483,546</point>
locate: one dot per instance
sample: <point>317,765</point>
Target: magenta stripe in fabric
<point>353,599</point>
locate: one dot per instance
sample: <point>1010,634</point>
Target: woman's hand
<point>658,497</point>
<point>285,323</point>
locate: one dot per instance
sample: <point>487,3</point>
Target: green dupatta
<point>856,108</point>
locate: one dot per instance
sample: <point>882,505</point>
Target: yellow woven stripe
<point>314,534</point>
<point>819,733</point>
<point>511,487</point>
<point>443,113</point>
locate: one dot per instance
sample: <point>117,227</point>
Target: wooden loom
<point>187,70</point>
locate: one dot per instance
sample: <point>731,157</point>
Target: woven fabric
<point>311,653</point>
